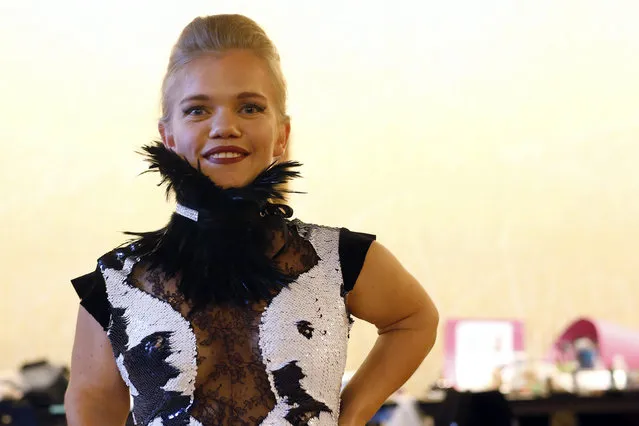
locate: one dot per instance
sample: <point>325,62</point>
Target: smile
<point>225,157</point>
<point>228,154</point>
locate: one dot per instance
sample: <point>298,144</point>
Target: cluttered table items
<point>589,377</point>
<point>33,395</point>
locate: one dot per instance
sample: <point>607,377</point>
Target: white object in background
<point>348,375</point>
<point>482,347</point>
<point>619,372</point>
<point>11,385</point>
<point>406,413</point>
<point>593,381</point>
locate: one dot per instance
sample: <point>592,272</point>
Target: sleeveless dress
<point>273,362</point>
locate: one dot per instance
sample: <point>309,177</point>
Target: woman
<point>233,314</point>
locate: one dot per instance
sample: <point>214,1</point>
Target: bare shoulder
<point>385,293</point>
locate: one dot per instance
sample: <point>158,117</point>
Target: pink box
<point>612,339</point>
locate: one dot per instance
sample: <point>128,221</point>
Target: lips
<point>225,148</point>
<point>225,154</point>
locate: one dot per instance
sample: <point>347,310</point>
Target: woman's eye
<point>195,110</point>
<point>252,109</point>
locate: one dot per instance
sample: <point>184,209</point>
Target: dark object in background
<point>586,358</point>
<point>42,404</point>
<point>15,413</point>
<point>474,409</point>
<point>44,384</point>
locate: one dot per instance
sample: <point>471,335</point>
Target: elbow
<point>71,405</point>
<point>77,403</point>
<point>427,318</point>
<point>423,321</point>
<point>73,396</point>
<point>429,323</point>
<point>433,319</point>
<point>69,398</point>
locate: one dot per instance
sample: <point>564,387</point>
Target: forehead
<point>223,75</point>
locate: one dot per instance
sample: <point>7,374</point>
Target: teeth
<point>226,155</point>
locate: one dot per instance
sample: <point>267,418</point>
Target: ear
<point>166,135</point>
<point>282,140</point>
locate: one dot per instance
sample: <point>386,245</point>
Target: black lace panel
<point>232,386</point>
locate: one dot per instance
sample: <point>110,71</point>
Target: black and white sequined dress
<point>275,362</point>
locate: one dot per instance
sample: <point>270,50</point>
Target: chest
<point>292,347</point>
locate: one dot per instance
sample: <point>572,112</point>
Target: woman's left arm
<point>387,296</point>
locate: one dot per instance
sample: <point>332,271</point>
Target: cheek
<point>265,139</point>
<point>190,138</point>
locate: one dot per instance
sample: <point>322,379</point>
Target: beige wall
<point>493,146</point>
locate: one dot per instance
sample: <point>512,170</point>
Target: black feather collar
<point>221,257</point>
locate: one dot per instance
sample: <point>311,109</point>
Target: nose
<point>224,125</point>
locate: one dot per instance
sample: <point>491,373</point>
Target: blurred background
<point>492,146</point>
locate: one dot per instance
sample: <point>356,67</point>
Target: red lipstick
<point>225,154</point>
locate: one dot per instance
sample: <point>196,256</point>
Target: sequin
<point>277,362</point>
<point>315,298</point>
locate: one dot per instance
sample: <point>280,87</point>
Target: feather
<point>221,257</point>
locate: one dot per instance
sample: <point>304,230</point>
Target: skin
<point>221,100</point>
<point>388,296</point>
<point>227,99</point>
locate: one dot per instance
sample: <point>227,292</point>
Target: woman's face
<point>223,116</point>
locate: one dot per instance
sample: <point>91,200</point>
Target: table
<point>609,409</point>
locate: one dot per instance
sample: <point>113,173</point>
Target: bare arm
<point>96,395</point>
<point>387,296</point>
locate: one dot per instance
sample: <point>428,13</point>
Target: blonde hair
<point>217,34</point>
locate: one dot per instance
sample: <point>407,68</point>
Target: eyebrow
<point>202,97</point>
<point>245,95</point>
<point>195,98</point>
